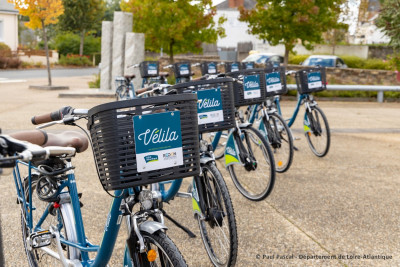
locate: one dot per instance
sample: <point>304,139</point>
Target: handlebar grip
<point>53,116</point>
<point>145,89</point>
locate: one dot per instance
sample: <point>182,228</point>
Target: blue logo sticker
<point>273,81</point>
<point>151,158</point>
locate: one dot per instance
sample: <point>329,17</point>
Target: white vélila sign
<point>209,106</point>
<point>158,141</point>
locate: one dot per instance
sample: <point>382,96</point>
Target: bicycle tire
<point>122,93</point>
<point>319,133</point>
<point>281,143</point>
<point>247,182</point>
<point>64,217</point>
<point>214,227</point>
<point>167,253</point>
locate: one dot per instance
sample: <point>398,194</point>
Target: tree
<point>389,21</point>
<point>286,22</point>
<point>111,6</point>
<point>178,26</point>
<point>41,13</point>
<point>82,16</point>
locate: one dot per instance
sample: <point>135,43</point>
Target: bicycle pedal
<point>40,239</point>
<point>296,138</point>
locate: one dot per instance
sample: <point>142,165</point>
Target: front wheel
<point>161,251</point>
<point>318,135</point>
<point>218,227</point>
<point>281,141</point>
<point>254,179</point>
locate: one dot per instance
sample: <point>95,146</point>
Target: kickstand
<point>295,148</point>
<point>190,233</point>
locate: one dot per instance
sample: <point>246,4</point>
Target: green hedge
<point>352,62</point>
<point>75,60</point>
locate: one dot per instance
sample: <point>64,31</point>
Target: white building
<point>8,24</point>
<point>235,30</point>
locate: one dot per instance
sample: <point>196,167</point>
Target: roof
<point>247,4</point>
<point>6,7</point>
<point>323,56</point>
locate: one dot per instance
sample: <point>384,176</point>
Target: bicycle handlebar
<point>153,88</point>
<point>63,115</point>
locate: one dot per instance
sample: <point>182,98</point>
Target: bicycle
<point>270,123</point>
<point>53,228</point>
<point>315,123</point>
<point>248,155</point>
<point>211,202</point>
<point>149,71</point>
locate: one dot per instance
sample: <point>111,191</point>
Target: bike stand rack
<point>185,229</point>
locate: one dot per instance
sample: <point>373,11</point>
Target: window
<point>1,31</point>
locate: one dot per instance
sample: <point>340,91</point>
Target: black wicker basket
<point>216,117</point>
<point>182,70</point>
<point>275,81</point>
<point>251,90</point>
<point>119,162</point>
<point>311,80</point>
<point>209,68</point>
<point>233,66</point>
<point>149,69</point>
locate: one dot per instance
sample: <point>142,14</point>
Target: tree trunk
<point>46,47</point>
<point>82,41</point>
<point>171,52</point>
<point>286,59</point>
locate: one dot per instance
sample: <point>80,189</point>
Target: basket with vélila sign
<point>232,66</point>
<point>251,89</point>
<point>311,80</point>
<point>143,141</point>
<point>182,70</point>
<point>275,81</point>
<point>149,69</point>
<point>209,68</point>
<point>215,108</point>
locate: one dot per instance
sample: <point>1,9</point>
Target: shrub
<point>377,64</point>
<point>68,43</point>
<point>5,50</point>
<point>297,59</point>
<point>353,62</point>
<point>75,60</point>
<point>96,82</point>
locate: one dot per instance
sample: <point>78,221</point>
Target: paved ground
<point>345,205</point>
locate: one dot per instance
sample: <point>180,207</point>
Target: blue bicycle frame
<point>111,229</point>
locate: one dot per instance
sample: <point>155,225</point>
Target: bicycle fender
<point>231,151</point>
<point>244,125</point>
<point>151,227</point>
<point>205,160</point>
<point>306,124</point>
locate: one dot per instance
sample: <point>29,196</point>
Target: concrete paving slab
<point>344,205</point>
